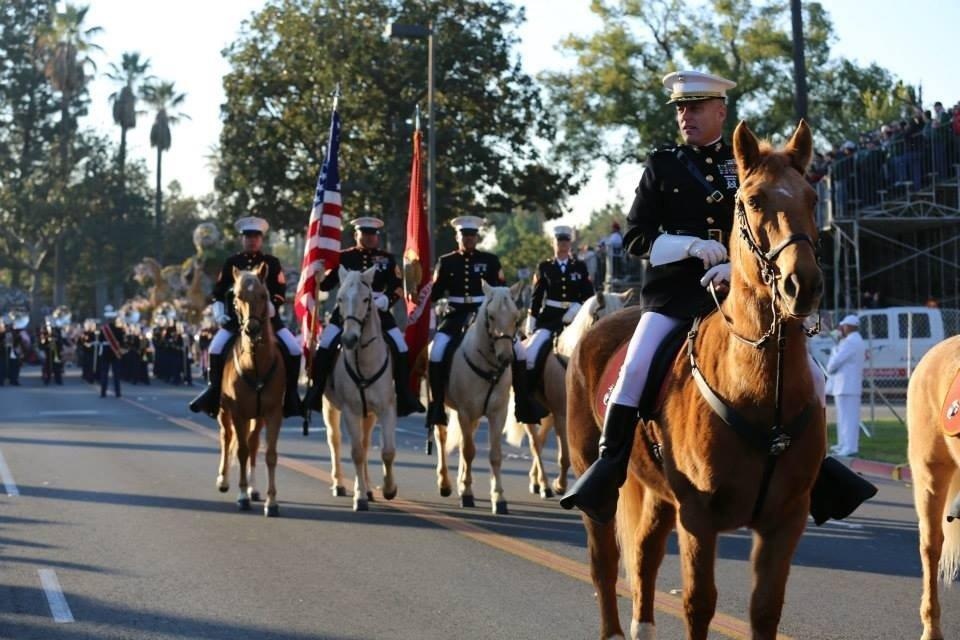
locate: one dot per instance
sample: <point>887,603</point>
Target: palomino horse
<point>554,397</point>
<point>254,380</point>
<point>360,388</point>
<point>935,465</point>
<point>714,477</point>
<point>479,386</point>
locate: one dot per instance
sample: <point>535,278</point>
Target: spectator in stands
<point>590,259</point>
<point>845,384</point>
<point>818,168</point>
<point>913,134</point>
<point>956,119</point>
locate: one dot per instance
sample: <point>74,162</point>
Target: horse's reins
<point>492,377</point>
<point>778,439</point>
<point>354,373</point>
<point>256,383</point>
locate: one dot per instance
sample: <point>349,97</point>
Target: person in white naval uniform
<point>845,368</point>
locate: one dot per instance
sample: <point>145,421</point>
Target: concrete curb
<point>898,472</point>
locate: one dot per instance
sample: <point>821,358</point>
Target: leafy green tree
<point>290,56</point>
<point>163,97</point>
<point>520,242</point>
<point>611,106</point>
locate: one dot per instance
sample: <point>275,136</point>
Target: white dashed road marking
<point>59,608</point>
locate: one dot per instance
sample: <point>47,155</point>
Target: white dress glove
<point>381,300</point>
<point>571,313</point>
<point>529,325</point>
<point>220,313</point>
<point>710,251</point>
<point>717,274</point>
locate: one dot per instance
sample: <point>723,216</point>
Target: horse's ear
<point>626,295</point>
<point>262,272</point>
<point>515,289</point>
<point>342,273</point>
<point>368,275</point>
<point>800,147</point>
<point>236,274</point>
<point>487,289</point>
<point>746,149</point>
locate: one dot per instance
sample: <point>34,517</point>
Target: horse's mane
<point>571,335</point>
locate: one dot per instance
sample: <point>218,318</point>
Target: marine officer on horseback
<point>387,290</point>
<point>458,277</point>
<point>681,218</point>
<point>560,287</point>
<point>253,230</point>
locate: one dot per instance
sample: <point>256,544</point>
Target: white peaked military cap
<point>467,223</point>
<point>109,311</point>
<point>851,321</point>
<point>687,86</point>
<point>368,223</point>
<point>252,224</point>
<point>563,231</point>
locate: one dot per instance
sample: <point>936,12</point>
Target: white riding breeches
<point>647,337</point>
<point>540,338</point>
<point>330,333</point>
<point>398,339</point>
<point>222,336</point>
<point>440,341</point>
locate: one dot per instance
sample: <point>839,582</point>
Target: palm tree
<point>66,47</point>
<point>130,73</point>
<point>164,98</point>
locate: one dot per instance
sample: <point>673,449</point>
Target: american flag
<point>322,250</point>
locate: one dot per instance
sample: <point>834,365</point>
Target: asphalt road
<point>114,530</point>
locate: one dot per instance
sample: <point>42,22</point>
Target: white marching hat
<point>563,231</point>
<point>367,223</point>
<point>688,86</point>
<point>252,224</point>
<point>851,321</point>
<point>109,311</point>
<point>467,223</point>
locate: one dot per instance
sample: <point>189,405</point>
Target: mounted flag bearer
<point>253,230</point>
<point>387,290</point>
<point>681,218</point>
<point>458,278</point>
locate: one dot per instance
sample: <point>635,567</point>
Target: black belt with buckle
<point>711,234</point>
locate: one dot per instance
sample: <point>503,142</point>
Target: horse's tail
<point>454,433</point>
<point>950,551</point>
<point>513,430</point>
<point>629,509</point>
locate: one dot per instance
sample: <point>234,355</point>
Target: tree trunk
<point>59,267</point>
<point>59,273</point>
<point>158,207</point>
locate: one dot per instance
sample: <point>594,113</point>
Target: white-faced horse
<point>479,386</point>
<point>554,396</point>
<point>360,389</point>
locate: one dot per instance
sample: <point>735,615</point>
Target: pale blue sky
<point>183,40</point>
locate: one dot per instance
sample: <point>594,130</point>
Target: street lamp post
<point>409,31</point>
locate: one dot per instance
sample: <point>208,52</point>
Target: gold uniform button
<point>709,178</point>
<point>676,190</point>
<point>709,220</point>
<point>709,160</point>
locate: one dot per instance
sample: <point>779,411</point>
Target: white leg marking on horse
<point>642,630</point>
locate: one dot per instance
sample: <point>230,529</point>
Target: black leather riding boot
<point>407,402</point>
<point>596,491</point>
<point>322,363</point>
<point>291,401</point>
<point>525,407</point>
<point>208,401</point>
<point>437,375</point>
<point>838,491</point>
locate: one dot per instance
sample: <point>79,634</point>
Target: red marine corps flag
<point>416,264</point>
<point>322,249</point>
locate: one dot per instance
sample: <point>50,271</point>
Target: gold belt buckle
<point>715,234</point>
<point>467,299</point>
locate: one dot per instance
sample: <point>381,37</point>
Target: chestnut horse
<point>935,466</point>
<point>711,479</point>
<point>254,381</point>
<point>554,397</point>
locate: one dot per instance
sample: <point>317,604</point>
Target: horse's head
<point>355,301</point>
<point>775,220</point>
<point>601,304</point>
<point>251,300</point>
<point>500,318</point>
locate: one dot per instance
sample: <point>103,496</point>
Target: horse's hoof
<point>370,496</point>
<point>445,492</point>
<point>271,511</point>
<point>361,505</point>
<point>547,493</point>
<point>339,492</point>
<point>243,504</point>
<point>255,496</point>
<point>534,488</point>
<point>390,495</point>
<point>467,502</point>
<point>223,488</point>
<point>500,508</point>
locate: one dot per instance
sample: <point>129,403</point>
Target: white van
<point>896,337</point>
